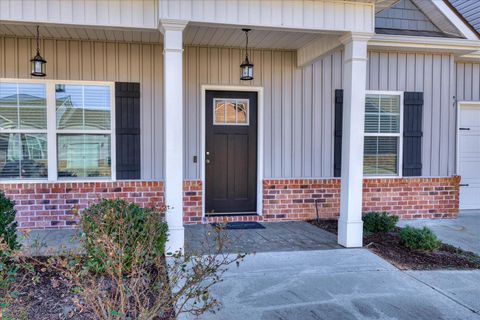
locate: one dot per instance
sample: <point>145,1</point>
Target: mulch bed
<point>387,246</point>
<point>49,297</point>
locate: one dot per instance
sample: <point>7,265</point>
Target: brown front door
<point>231,152</point>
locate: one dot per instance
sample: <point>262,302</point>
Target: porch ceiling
<point>193,35</point>
<point>81,33</point>
<point>235,37</point>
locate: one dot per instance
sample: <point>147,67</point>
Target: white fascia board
<point>452,16</point>
<point>315,49</point>
<point>439,18</point>
<point>324,15</point>
<point>472,57</point>
<point>425,44</point>
<point>381,5</point>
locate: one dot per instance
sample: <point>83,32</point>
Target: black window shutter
<point>127,130</point>
<point>337,153</point>
<point>412,133</point>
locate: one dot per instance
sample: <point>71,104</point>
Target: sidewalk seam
<point>442,293</point>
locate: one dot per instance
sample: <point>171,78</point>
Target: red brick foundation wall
<point>409,198</point>
<point>192,202</point>
<point>413,198</point>
<point>57,205</point>
<point>295,199</point>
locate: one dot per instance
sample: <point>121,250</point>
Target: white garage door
<point>469,156</point>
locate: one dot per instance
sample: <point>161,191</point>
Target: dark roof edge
<point>461,17</point>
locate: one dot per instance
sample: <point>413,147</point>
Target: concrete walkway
<point>277,236</point>
<point>342,284</point>
<point>199,239</point>
<point>463,232</point>
<point>48,242</point>
<point>298,272</point>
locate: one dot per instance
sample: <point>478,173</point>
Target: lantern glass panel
<point>38,67</point>
<point>247,72</point>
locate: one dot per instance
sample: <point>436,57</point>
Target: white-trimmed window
<point>56,130</point>
<point>23,131</point>
<point>383,134</point>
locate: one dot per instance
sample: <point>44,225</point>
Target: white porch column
<point>350,225</point>
<point>173,128</point>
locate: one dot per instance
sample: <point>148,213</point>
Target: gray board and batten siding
<point>102,61</point>
<point>298,102</point>
<point>299,105</point>
<point>298,113</point>
<point>468,81</point>
<point>434,75</point>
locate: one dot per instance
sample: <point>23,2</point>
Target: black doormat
<point>239,225</point>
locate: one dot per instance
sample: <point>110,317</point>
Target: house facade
<point>354,106</point>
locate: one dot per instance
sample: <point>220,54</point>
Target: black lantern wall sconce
<point>246,67</point>
<point>38,63</point>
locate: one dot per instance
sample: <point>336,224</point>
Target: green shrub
<point>419,239</point>
<point>374,222</point>
<point>8,255</point>
<point>118,230</point>
<point>8,278</point>
<point>8,225</point>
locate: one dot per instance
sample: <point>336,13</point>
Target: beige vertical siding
<point>298,114</point>
<point>433,74</point>
<point>101,61</point>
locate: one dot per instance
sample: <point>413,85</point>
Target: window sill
<point>382,177</point>
<point>13,181</point>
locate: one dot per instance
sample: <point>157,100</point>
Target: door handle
<point>464,185</point>
<point>207,161</point>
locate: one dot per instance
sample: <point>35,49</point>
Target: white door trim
<point>461,104</point>
<point>260,126</point>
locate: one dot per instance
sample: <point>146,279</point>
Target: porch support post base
<point>173,129</point>
<point>350,232</point>
<point>176,239</point>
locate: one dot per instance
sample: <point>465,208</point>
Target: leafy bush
<point>8,279</point>
<point>374,222</point>
<point>128,227</point>
<point>419,239</point>
<point>8,225</point>
<point>10,264</point>
<point>126,243</point>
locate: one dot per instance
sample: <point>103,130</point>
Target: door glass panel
<point>219,111</point>
<point>242,111</point>
<point>231,112</point>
